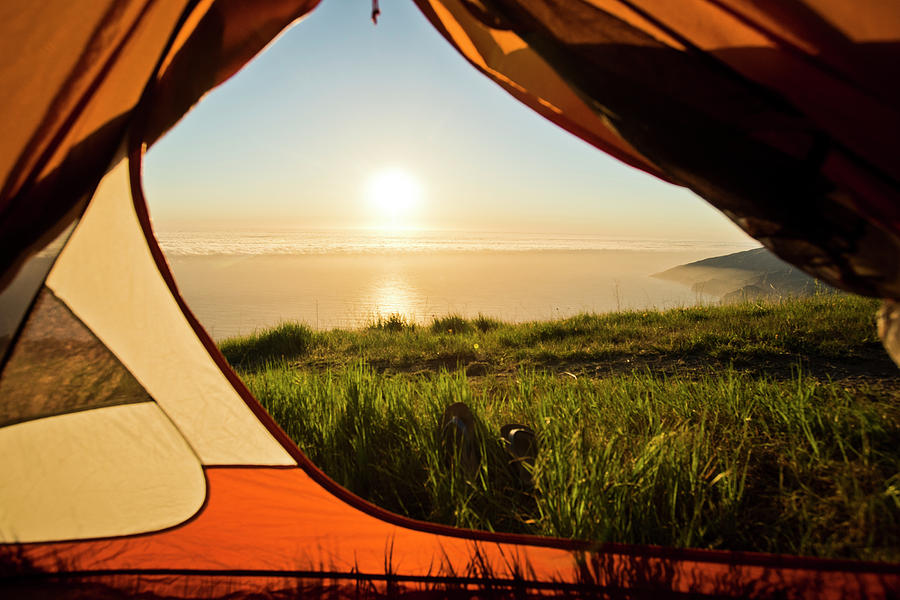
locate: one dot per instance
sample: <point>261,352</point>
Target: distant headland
<point>748,275</point>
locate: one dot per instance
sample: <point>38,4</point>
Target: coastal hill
<point>687,427</point>
<point>747,275</point>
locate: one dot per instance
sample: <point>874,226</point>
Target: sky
<point>307,134</point>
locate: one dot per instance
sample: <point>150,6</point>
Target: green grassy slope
<point>750,427</point>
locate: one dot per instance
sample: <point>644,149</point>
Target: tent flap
<point>778,127</point>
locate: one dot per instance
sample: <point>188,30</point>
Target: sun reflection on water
<point>394,296</point>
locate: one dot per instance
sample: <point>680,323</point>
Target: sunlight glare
<point>394,296</point>
<point>393,193</point>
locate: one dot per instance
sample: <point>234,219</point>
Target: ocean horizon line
<point>186,243</point>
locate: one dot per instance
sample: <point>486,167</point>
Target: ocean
<point>239,282</point>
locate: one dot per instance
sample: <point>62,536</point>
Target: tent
<point>135,463</point>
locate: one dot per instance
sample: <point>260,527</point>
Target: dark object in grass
<point>521,445</point>
<point>458,437</point>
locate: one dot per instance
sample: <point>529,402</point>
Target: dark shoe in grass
<point>521,445</point>
<point>458,437</point>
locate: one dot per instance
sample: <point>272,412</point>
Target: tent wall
<point>79,71</point>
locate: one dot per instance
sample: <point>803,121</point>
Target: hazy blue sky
<point>294,139</point>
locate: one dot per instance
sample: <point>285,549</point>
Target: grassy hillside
<point>749,427</point>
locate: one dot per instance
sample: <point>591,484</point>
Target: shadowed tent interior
<point>135,459</point>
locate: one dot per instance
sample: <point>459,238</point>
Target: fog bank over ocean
<point>259,243</point>
<point>239,282</point>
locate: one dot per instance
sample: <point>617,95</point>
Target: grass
<point>832,330</point>
<point>751,427</point>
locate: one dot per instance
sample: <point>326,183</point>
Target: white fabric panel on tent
<point>108,278</point>
<point>116,470</point>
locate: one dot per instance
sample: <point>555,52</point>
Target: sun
<point>393,194</point>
